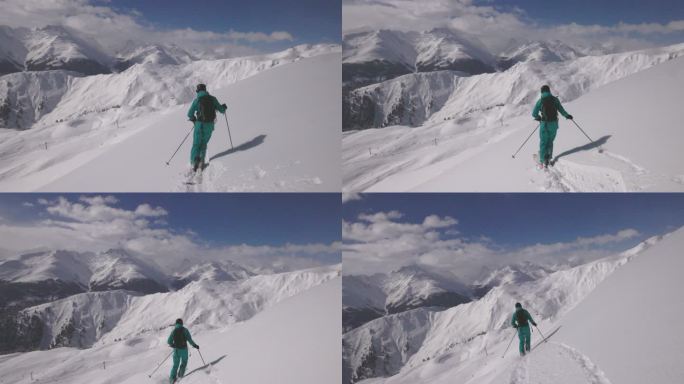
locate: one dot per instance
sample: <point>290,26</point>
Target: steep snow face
<point>12,50</point>
<point>55,47</point>
<point>368,297</point>
<point>463,332</point>
<point>476,132</point>
<point>302,334</point>
<point>595,343</point>
<point>26,97</point>
<point>82,320</point>
<point>487,99</point>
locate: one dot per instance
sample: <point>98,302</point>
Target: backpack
<point>179,340</point>
<point>521,318</point>
<point>207,111</point>
<point>548,109</point>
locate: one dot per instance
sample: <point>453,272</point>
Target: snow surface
<point>618,317</point>
<point>467,144</point>
<point>297,339</point>
<point>274,117</point>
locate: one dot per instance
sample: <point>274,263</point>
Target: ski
<point>546,339</point>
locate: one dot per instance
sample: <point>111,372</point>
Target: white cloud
<point>350,196</point>
<point>493,26</point>
<point>113,29</point>
<point>96,223</point>
<point>382,242</point>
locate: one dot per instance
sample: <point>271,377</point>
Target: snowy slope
<point>273,117</point>
<point>297,339</point>
<point>596,343</point>
<point>412,343</point>
<point>554,50</point>
<point>454,149</point>
<point>82,320</point>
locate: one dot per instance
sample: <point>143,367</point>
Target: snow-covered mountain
<point>154,54</point>
<point>224,270</point>
<point>554,50</point>
<point>487,117</point>
<point>134,121</point>
<point>83,319</point>
<point>375,56</point>
<point>418,346</point>
<point>367,297</point>
<point>511,274</point>
<point>56,47</point>
<point>45,276</point>
<point>12,50</point>
<point>296,336</point>
<point>430,98</point>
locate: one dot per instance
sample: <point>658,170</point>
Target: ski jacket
<point>527,315</point>
<point>188,338</point>
<point>194,107</point>
<point>559,107</point>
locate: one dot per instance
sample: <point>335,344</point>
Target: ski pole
<point>201,357</point>
<point>509,345</point>
<point>540,332</point>
<point>227,125</point>
<point>526,140</point>
<point>181,144</point>
<point>585,134</point>
<point>160,364</point>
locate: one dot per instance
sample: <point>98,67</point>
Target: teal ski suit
<point>547,129</point>
<point>203,130</point>
<point>524,333</point>
<point>180,355</point>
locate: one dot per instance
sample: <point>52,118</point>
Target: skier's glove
<point>197,346</point>
<point>569,117</point>
<point>193,119</point>
<point>224,105</point>
<point>537,118</point>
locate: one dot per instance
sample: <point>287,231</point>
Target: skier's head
<point>179,321</point>
<point>545,88</point>
<point>518,306</point>
<point>201,87</point>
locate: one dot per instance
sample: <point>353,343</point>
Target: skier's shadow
<point>597,143</point>
<point>242,147</point>
<point>205,366</point>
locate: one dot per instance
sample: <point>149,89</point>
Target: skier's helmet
<point>201,87</point>
<point>179,321</point>
<point>518,305</point>
<point>545,88</point>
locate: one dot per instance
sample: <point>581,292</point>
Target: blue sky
<point>308,21</point>
<point>523,219</point>
<point>470,234</point>
<point>604,12</point>
<point>219,219</point>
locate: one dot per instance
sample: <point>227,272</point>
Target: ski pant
<point>525,337</point>
<point>180,361</point>
<point>200,139</point>
<point>547,133</point>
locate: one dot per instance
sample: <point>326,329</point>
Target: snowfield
<point>289,323</point>
<point>610,321</point>
<point>468,129</point>
<point>116,132</point>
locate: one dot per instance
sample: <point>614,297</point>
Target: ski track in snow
<point>556,363</point>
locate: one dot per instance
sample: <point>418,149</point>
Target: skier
<point>202,113</point>
<point>549,106</point>
<point>178,340</point>
<point>520,320</point>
